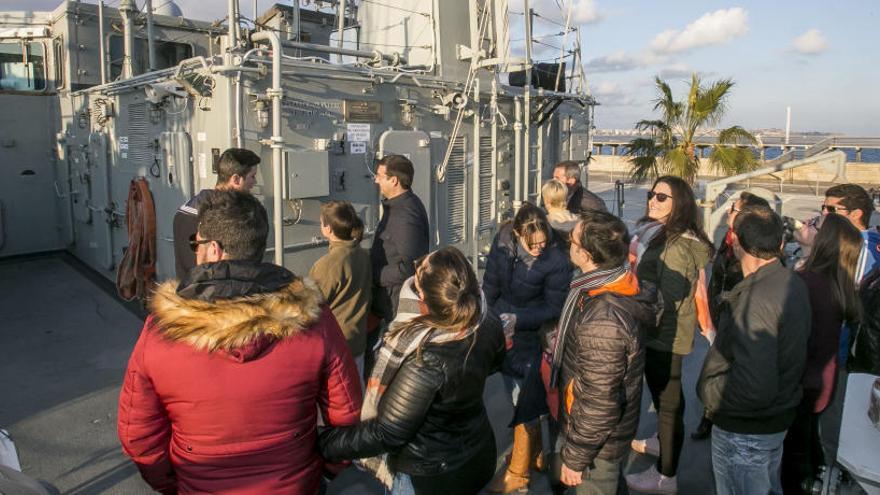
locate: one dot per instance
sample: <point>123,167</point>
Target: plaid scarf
<point>580,285</point>
<point>392,354</point>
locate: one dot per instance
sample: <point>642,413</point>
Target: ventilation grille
<point>139,142</point>
<point>486,185</point>
<point>456,192</point>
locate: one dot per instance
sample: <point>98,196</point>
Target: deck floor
<point>65,342</point>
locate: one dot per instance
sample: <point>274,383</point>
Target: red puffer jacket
<point>222,396</point>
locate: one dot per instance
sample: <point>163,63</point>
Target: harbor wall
<point>857,172</point>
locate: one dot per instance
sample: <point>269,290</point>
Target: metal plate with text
<point>361,111</point>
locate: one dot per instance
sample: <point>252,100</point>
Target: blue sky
<point>830,77</point>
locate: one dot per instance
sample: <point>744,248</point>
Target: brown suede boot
<point>535,436</point>
<point>516,476</point>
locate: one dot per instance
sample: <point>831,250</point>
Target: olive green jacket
<point>345,278</point>
<point>674,267</point>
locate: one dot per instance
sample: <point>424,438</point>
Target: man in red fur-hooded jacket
<point>234,364</point>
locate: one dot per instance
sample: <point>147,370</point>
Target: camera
<point>789,227</point>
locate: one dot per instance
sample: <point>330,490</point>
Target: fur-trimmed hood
<point>243,327</point>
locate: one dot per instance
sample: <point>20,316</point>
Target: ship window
<point>58,50</point>
<point>22,66</point>
<point>168,54</point>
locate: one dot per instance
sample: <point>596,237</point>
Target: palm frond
<point>644,167</point>
<point>651,126</point>
<point>711,105</point>
<point>732,160</point>
<point>679,163</point>
<point>671,147</point>
<point>736,135</point>
<point>641,147</point>
<point>666,103</point>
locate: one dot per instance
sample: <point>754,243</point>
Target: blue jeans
<point>746,464</point>
<point>402,485</point>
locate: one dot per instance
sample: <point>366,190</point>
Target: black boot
<point>703,430</point>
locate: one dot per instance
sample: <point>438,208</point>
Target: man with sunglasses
<point>237,171</point>
<point>233,366</point>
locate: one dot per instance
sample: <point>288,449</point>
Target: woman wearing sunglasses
<point>672,251</point>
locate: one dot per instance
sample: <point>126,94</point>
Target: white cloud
<point>675,71</point>
<point>621,61</point>
<point>618,61</point>
<point>812,42</point>
<point>612,94</point>
<point>585,12</point>
<point>713,28</point>
<point>582,11</point>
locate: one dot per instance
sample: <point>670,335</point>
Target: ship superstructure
<point>94,97</point>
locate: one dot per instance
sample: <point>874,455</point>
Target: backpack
<point>865,351</point>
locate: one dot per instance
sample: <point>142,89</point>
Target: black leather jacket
<point>431,419</point>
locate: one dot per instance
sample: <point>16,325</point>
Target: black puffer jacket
<point>431,419</point>
<point>533,289</point>
<point>602,366</point>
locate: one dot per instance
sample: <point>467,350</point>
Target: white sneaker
<point>651,481</point>
<point>647,446</point>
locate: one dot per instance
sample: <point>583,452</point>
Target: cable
<point>547,19</point>
<point>374,2</point>
<point>547,44</point>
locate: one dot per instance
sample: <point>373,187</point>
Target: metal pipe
<point>151,45</point>
<point>493,187</point>
<point>475,178</point>
<point>276,93</point>
<point>126,10</point>
<point>519,176</point>
<point>313,243</point>
<point>108,195</point>
<point>229,85</point>
<point>527,102</point>
<point>101,51</point>
<point>376,55</point>
<point>232,20</point>
<point>340,14</point>
<point>570,134</point>
<point>539,151</point>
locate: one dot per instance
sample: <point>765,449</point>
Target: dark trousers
<point>468,479</point>
<point>663,374</point>
<point>801,452</point>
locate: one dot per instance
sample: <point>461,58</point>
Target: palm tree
<point>671,147</point>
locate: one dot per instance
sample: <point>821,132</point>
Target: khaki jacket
<point>344,276</point>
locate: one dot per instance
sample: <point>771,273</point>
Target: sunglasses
<point>661,197</point>
<point>194,243</point>
<point>833,209</point>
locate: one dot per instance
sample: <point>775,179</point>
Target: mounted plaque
<point>362,111</point>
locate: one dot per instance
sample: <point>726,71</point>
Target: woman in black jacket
<point>424,427</point>
<point>525,283</point>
